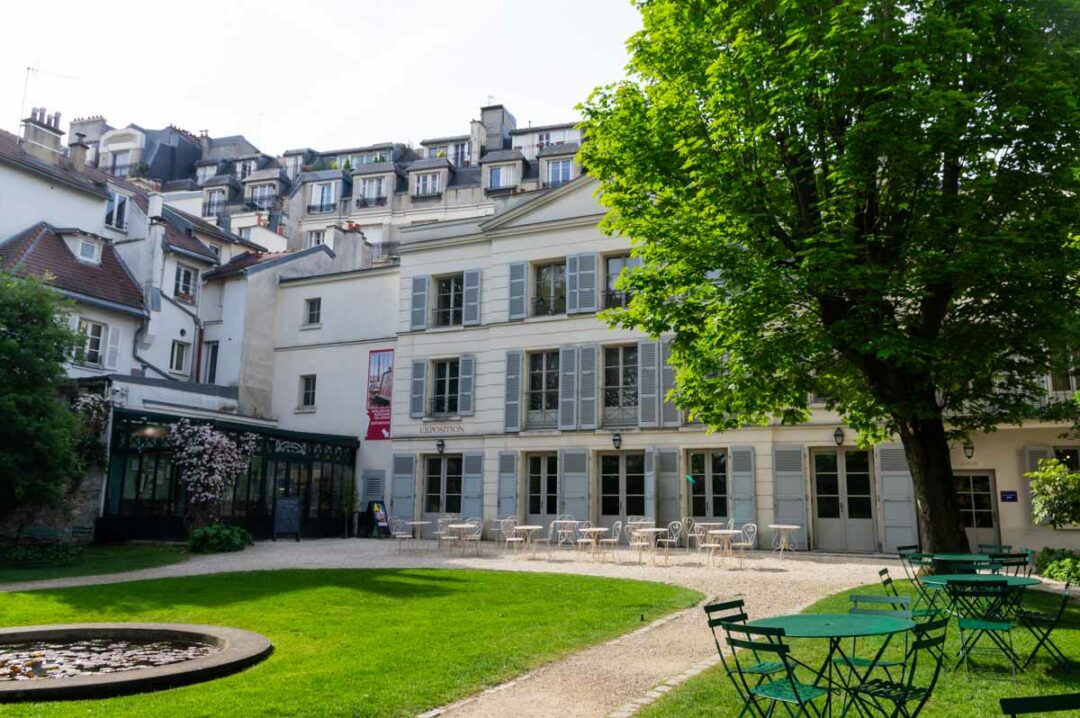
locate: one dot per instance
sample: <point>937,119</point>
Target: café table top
<point>1012,581</point>
<point>417,523</point>
<point>527,527</point>
<point>651,529</point>
<point>835,625</point>
<point>961,557</point>
<point>565,521</point>
<point>460,526</point>
<point>725,532</point>
<point>595,530</point>
<point>785,527</point>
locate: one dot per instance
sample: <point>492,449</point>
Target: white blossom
<point>208,460</point>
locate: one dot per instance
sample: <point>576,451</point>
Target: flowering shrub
<point>218,538</point>
<point>208,461</point>
<point>93,411</point>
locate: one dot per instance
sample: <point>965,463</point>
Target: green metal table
<point>1017,584</point>
<point>835,627</point>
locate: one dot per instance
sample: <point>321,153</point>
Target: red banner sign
<point>380,392</point>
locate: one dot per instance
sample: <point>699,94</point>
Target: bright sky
<point>325,74</point>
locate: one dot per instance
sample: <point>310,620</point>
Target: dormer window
<point>89,251</point>
<point>559,172</point>
<point>262,196</point>
<point>204,173</point>
<point>428,184</point>
<point>501,177</point>
<point>322,198</point>
<point>215,203</point>
<point>244,168</point>
<point>116,212</point>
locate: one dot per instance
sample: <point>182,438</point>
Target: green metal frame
<point>928,640</point>
<point>734,612</point>
<point>983,606</point>
<point>796,697</point>
<point>1041,625</point>
<point>1040,704</point>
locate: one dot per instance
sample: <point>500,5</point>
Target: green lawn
<point>359,642</point>
<point>97,560</point>
<point>959,693</point>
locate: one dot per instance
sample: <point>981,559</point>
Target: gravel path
<point>611,678</point>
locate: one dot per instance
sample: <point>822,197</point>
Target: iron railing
<point>446,316</point>
<point>549,305</point>
<point>616,298</point>
<point>321,208</point>
<point>383,251</point>
<point>362,202</point>
<point>443,405</point>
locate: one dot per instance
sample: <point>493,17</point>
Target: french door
<point>978,514</point>
<point>622,487</point>
<point>542,485</point>
<point>709,487</point>
<point>843,501</point>
<point>442,487</point>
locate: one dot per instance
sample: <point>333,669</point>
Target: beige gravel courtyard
<point>607,679</point>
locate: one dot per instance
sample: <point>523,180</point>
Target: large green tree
<point>870,201</point>
<point>38,431</point>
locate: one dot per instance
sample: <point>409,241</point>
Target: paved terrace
<point>610,679</point>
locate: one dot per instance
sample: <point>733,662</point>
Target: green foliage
<point>1064,569</point>
<point>38,432</point>
<point>1055,562</point>
<point>59,553</point>
<point>865,200</point>
<point>219,538</point>
<point>386,643</point>
<point>1055,494</point>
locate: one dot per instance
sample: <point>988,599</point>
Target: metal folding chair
<point>1041,625</point>
<point>891,590</point>
<point>982,607</point>
<point>735,612</point>
<point>748,644</point>
<point>928,644</point>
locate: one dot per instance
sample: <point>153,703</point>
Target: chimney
<point>41,137</point>
<point>77,152</point>
<point>56,121</point>
<point>155,206</point>
<point>204,144</point>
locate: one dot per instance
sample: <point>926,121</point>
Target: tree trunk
<point>927,451</point>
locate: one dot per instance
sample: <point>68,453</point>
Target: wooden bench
<point>36,534</point>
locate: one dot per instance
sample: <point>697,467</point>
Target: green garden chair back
<point>895,606</point>
<point>734,612</point>
<point>748,644</point>
<point>912,559</point>
<point>982,606</point>
<point>1041,625</point>
<point>992,548</point>
<point>1012,564</point>
<point>916,613</point>
<point>919,675</point>
<point>1040,704</point>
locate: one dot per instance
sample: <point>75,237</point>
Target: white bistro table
<point>654,533</point>
<point>725,536</point>
<point>593,534</point>
<point>565,532</point>
<point>784,542</point>
<point>417,527</point>
<point>529,531</point>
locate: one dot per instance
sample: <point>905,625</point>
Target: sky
<point>325,74</point>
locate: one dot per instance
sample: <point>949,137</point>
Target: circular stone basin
<point>97,660</point>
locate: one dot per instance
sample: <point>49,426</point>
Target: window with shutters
<point>549,295</point>
<point>544,484</point>
<point>442,484</point>
<point>92,350</point>
<point>449,298</point>
<point>613,267</point>
<point>444,398</point>
<point>184,285</point>
<point>620,385</point>
<point>709,490</point>
<point>542,394</point>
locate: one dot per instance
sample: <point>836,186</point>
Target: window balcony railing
<point>321,208</point>
<point>261,203</point>
<point>446,317</point>
<point>363,202</point>
<point>540,418</point>
<point>213,209</point>
<point>620,415</point>
<point>385,251</point>
<point>549,305</point>
<point>500,189</point>
<point>442,405</point>
<point>613,298</point>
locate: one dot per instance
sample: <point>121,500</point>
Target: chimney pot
<point>56,121</point>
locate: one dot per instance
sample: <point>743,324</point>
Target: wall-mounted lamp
<point>616,440</point>
<point>838,436</point>
<point>969,449</point>
<point>440,446</point>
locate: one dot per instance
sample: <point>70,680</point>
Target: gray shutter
<point>418,389</point>
<point>896,498</point>
<point>471,296</point>
<point>466,385</point>
<point>586,282</point>
<point>519,284</point>
<point>648,384</point>
<point>574,483</point>
<point>508,484</point>
<point>668,486</point>
<point>1032,455</point>
<point>515,359</point>
<point>472,485</point>
<point>587,360</point>
<point>741,487</point>
<point>403,486</point>
<point>669,413</point>
<point>419,303</point>
<point>568,387</point>
<point>650,484</point>
<point>789,490</point>
<point>112,348</point>
<point>572,284</point>
<point>372,485</point>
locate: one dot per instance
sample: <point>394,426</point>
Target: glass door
<point>543,489</point>
<point>442,488</point>
<point>708,492</point>
<point>978,514</point>
<point>843,501</point>
<point>622,487</point>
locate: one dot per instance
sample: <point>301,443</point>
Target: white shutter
<point>586,283</point>
<point>574,483</point>
<point>418,389</point>
<point>112,351</point>
<point>403,486</point>
<point>789,490</point>
<point>896,498</point>
<point>648,384</point>
<point>587,377</point>
<point>668,486</point>
<point>519,284</point>
<point>508,484</point>
<point>670,416</point>
<point>466,384</point>
<point>418,314</point>
<point>515,358</point>
<point>568,397</point>
<point>471,299</point>
<point>572,284</point>
<point>741,489</point>
<point>650,484</point>
<point>472,485</point>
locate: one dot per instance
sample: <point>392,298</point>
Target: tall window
<point>307,391</point>
<point>204,173</point>
<point>184,287</point>
<point>559,172</point>
<point>614,267</point>
<point>91,351</point>
<point>550,289</point>
<point>178,357</point>
<point>116,212</point>
<point>427,184</point>
<point>459,154</point>
<point>620,385</point>
<point>708,493</point>
<point>322,197</point>
<point>444,399</point>
<point>371,189</point>
<point>544,484</point>
<point>976,499</point>
<point>211,349</point>
<point>121,163</point>
<point>442,484</point>
<point>316,237</point>
<point>215,203</point>
<point>497,177</point>
<point>543,391</point>
<point>262,196</point>
<point>449,296</point>
<point>313,311</point>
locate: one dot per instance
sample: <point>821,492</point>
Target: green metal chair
<point>890,590</point>
<point>1041,626</point>
<point>1012,564</point>
<point>896,606</point>
<point>749,643</point>
<point>981,606</point>
<point>1040,704</point>
<point>992,548</point>
<point>928,644</point>
<point>733,612</point>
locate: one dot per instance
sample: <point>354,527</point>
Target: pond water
<point>32,660</point>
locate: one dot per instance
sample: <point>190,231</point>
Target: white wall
<point>26,199</point>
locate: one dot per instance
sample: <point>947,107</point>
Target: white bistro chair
<point>747,542</point>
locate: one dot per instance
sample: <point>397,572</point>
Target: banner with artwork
<point>380,392</point>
